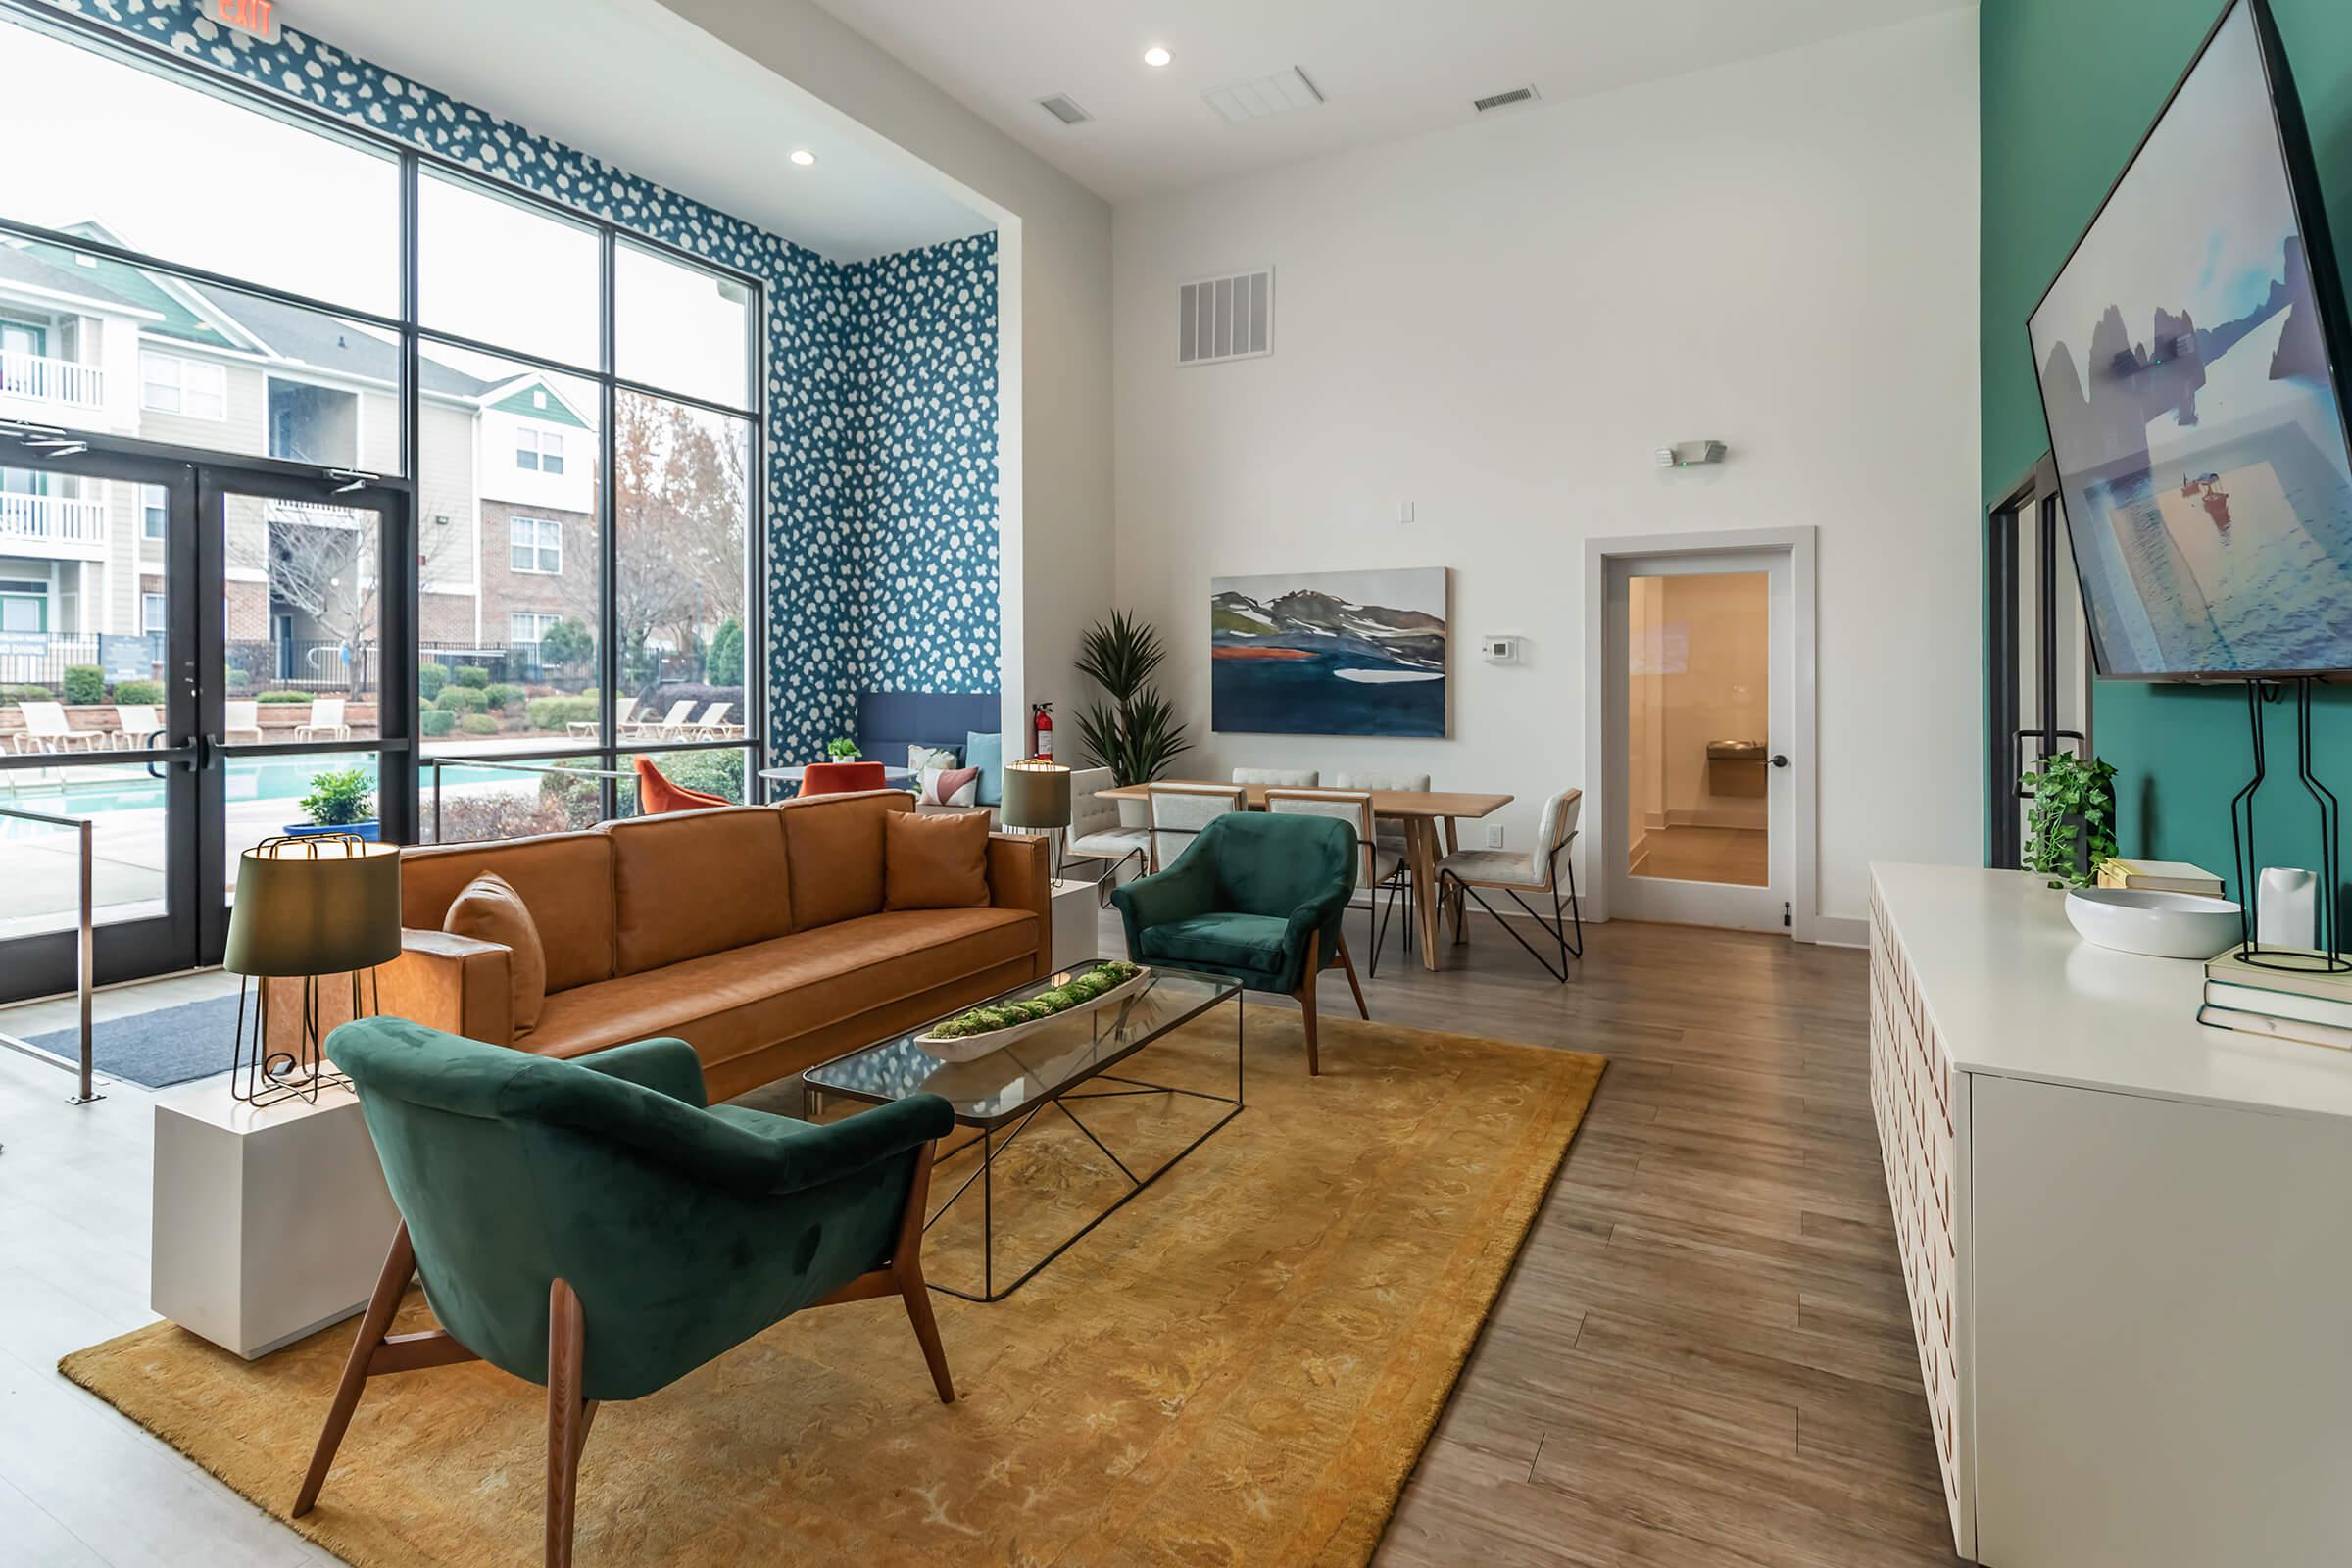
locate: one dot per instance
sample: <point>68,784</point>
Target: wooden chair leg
<point>1348,964</point>
<point>907,1267</point>
<point>374,1324</point>
<point>567,1416</point>
<point>1306,1003</point>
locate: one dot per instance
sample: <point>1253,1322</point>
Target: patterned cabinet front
<point>1920,1107</point>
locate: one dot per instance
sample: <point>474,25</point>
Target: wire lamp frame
<point>2325,959</point>
<point>308,907</point>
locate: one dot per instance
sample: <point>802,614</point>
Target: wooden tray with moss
<point>997,1024</point>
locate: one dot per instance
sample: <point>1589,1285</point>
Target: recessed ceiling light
<point>803,157</point>
<point>1157,55</point>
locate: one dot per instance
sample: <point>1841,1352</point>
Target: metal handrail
<point>85,959</point>
<point>438,763</point>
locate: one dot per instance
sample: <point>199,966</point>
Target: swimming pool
<point>100,790</point>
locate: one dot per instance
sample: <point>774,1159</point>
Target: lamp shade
<point>1037,795</point>
<point>314,905</point>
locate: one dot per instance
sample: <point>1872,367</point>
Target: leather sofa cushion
<point>835,846</point>
<point>1226,941</point>
<point>729,1004</point>
<point>935,862</point>
<point>565,879</point>
<point>491,910</point>
<point>688,884</point>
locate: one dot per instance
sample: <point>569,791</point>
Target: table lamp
<point>319,904</point>
<point>1037,797</point>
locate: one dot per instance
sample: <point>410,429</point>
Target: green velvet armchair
<point>1258,898</point>
<point>589,1226</point>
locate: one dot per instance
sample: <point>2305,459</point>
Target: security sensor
<point>1689,454</point>
<point>1498,650</point>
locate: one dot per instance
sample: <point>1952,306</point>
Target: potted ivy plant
<point>341,801</point>
<point>2070,825</point>
<point>841,749</point>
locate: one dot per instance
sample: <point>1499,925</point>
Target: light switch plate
<point>1495,835</point>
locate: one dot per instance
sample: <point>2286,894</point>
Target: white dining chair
<point>1289,778</point>
<point>1095,833</point>
<point>325,721</point>
<point>1391,830</point>
<point>1379,866</point>
<point>1179,811</point>
<point>1546,869</point>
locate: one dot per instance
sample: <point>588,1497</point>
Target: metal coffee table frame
<point>991,1150</point>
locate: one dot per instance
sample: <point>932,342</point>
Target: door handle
<point>184,755</point>
<point>1778,760</point>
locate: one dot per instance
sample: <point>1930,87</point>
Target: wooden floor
<point>1741,856</point>
<point>1702,1356</point>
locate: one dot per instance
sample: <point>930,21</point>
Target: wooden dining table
<point>1423,812</point>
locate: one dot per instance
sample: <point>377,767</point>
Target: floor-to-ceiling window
<point>435,480</point>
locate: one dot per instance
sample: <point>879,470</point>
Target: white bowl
<point>2161,925</point>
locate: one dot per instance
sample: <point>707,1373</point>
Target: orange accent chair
<point>840,778</point>
<point>656,794</point>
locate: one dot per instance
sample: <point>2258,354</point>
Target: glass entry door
<point>97,716</point>
<point>205,671</point>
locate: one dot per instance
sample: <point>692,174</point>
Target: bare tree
<point>321,561</point>
<point>681,507</point>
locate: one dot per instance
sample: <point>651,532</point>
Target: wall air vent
<point>1230,317</point>
<point>1262,96</point>
<point>1064,108</point>
<point>1504,99</point>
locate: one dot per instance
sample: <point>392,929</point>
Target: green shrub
<point>85,683</point>
<point>283,696</point>
<point>554,713</point>
<point>28,693</point>
<point>149,692</point>
<point>502,697</point>
<point>477,724</point>
<point>725,666</point>
<point>436,721</point>
<point>567,644</point>
<point>340,797</point>
<point>430,678</point>
<point>473,675</point>
<point>462,700</point>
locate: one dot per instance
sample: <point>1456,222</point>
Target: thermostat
<point>1498,650</point>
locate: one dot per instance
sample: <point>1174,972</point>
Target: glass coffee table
<point>1058,1068</point>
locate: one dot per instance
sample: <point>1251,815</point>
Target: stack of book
<point>2159,877</point>
<point>2312,1006</point>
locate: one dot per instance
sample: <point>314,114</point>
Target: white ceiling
<point>1386,68</point>
<point>651,93</point>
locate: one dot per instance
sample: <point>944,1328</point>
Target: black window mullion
<point>401,599</point>
<point>608,528</point>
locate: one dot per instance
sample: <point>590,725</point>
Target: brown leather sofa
<point>755,933</point>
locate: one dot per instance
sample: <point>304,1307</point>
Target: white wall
<point>1058,465</point>
<point>1500,322</point>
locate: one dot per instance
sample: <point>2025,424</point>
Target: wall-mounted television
<point>2189,355</point>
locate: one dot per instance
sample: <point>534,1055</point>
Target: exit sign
<point>256,19</point>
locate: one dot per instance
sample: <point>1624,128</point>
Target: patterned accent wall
<point>822,604</point>
<point>922,348</point>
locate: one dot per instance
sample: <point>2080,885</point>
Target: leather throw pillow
<point>935,862</point>
<point>491,910</point>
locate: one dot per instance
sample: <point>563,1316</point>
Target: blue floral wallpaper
<point>881,500</point>
<point>922,354</point>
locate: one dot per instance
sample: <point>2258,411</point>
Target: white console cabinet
<point>2128,1240</point>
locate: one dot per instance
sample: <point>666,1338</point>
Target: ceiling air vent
<point>1504,99</point>
<point>1260,96</point>
<point>1229,318</point>
<point>1064,108</point>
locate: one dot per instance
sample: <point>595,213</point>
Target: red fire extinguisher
<point>1041,724</point>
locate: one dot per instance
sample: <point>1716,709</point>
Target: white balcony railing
<point>48,380</point>
<point>51,520</point>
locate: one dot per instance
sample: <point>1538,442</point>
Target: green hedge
<point>437,721</point>
<point>462,700</point>
<point>139,691</point>
<point>554,713</point>
<point>502,697</point>
<point>473,675</point>
<point>477,724</point>
<point>85,683</point>
<point>283,696</point>
<point>430,678</point>
<point>28,693</point>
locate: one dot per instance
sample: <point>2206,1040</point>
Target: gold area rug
<point>1238,1367</point>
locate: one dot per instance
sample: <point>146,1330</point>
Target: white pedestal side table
<point>1077,906</point>
<point>269,1224</point>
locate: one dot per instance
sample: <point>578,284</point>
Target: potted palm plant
<point>1136,734</point>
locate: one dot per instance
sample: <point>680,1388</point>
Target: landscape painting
<point>2184,366</point>
<point>1329,652</point>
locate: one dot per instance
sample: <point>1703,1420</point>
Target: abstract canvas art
<point>1329,652</point>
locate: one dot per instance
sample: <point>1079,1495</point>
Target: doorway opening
<point>1702,650</point>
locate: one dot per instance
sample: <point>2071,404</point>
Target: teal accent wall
<point>2068,87</point>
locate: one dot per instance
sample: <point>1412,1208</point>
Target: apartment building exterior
<point>505,493</point>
